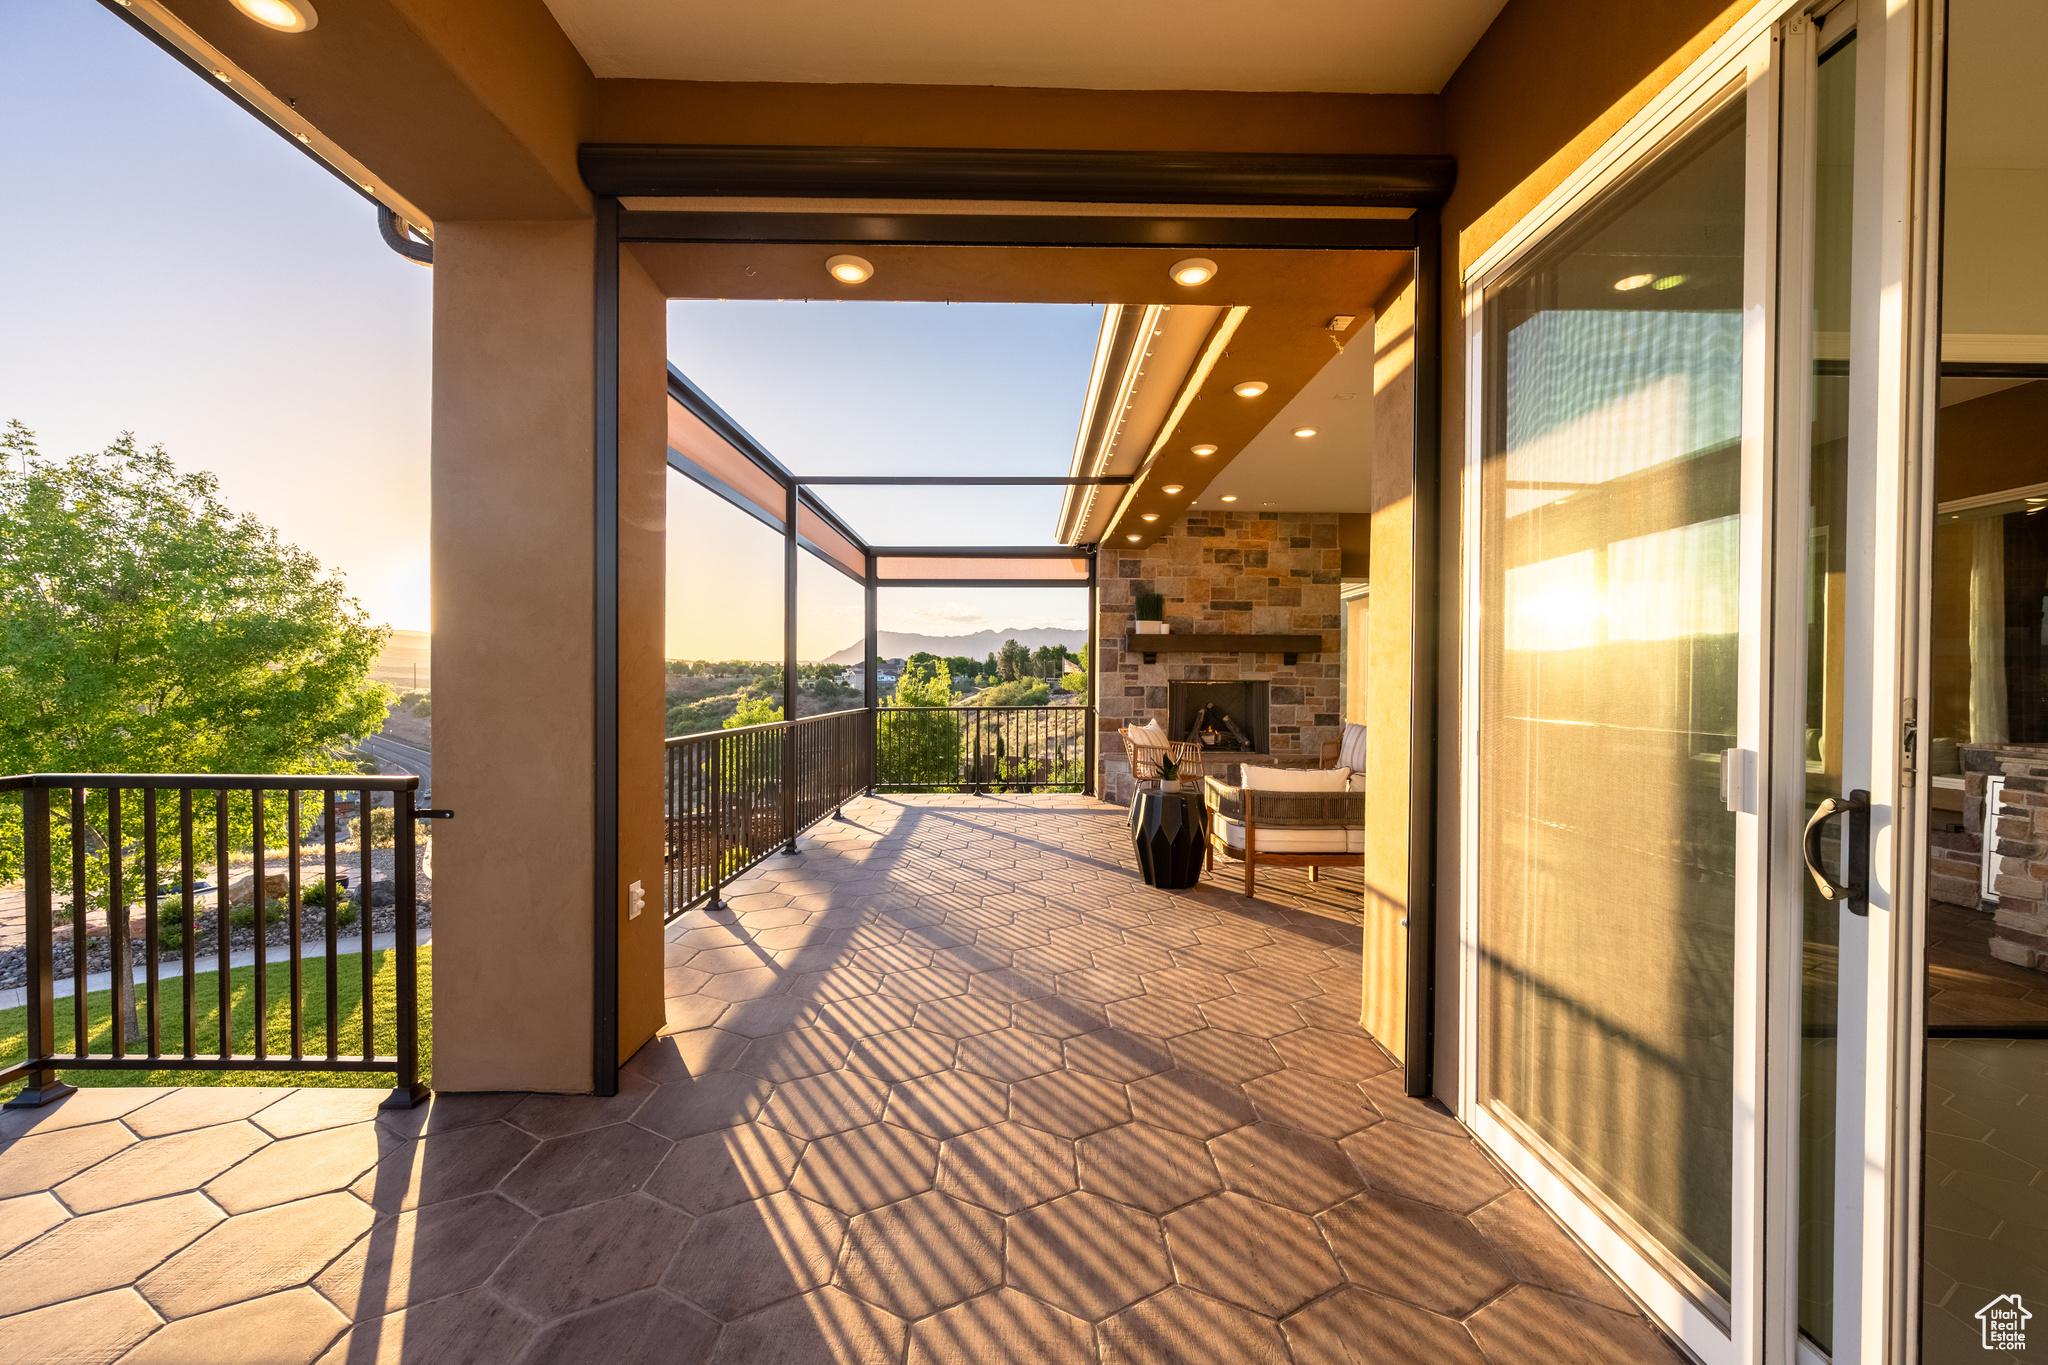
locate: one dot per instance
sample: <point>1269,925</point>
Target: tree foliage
<point>921,746</point>
<point>754,711</point>
<point>146,627</point>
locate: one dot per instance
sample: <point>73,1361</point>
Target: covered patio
<point>947,1085</point>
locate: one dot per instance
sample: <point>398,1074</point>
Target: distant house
<point>856,674</point>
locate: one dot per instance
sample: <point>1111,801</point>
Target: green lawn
<point>242,1018</point>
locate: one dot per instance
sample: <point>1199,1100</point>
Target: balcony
<point>947,1084</point>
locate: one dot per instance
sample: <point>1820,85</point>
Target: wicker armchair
<point>1311,829</point>
<point>1144,756</point>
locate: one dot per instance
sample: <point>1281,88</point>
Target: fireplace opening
<point>1227,716</point>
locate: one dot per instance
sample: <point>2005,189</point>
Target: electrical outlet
<point>636,900</point>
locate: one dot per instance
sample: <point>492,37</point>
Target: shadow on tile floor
<point>949,1086</point>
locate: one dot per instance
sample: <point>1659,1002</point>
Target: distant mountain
<point>891,644</point>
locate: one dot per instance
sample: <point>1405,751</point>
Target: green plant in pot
<point>1169,774</point>
<point>1151,613</point>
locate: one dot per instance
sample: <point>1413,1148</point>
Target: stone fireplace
<point>1234,712</point>
<point>1225,574</point>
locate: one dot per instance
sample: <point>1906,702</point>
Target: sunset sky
<point>177,270</point>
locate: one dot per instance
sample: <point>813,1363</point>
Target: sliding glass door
<point>1614,698</point>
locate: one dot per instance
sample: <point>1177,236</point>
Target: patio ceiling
<point>1390,46</point>
<point>1265,316</point>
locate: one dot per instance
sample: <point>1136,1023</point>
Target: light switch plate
<point>636,900</point>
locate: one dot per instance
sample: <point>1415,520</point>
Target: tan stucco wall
<point>512,555</point>
<point>643,557</point>
<point>1389,658</point>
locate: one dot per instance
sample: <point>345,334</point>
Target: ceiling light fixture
<point>1149,516</point>
<point>1628,282</point>
<point>1304,431</point>
<point>1670,282</point>
<point>1171,489</point>
<point>1251,388</point>
<point>1340,322</point>
<point>1193,271</point>
<point>1230,497</point>
<point>286,16</point>
<point>850,269</point>
<point>1205,450</point>
<point>1134,536</point>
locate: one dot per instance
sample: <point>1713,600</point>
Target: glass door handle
<point>1856,805</point>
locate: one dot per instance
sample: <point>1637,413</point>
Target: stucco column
<point>1389,645</point>
<point>514,547</point>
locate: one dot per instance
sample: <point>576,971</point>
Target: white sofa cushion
<point>1261,779</point>
<point>1297,840</point>
<point>1351,749</point>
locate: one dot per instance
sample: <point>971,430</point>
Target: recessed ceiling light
<point>1205,450</point>
<point>1628,282</point>
<point>850,269</point>
<point>1304,431</point>
<point>1194,270</point>
<point>1342,397</point>
<point>288,16</point>
<point>1171,488</point>
<point>1134,536</point>
<point>1251,388</point>
<point>1230,497</point>
<point>1670,282</point>
<point>1148,516</point>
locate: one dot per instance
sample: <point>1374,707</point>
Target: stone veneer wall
<point>2020,825</point>
<point>1241,573</point>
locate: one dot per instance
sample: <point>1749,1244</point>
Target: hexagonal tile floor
<point>949,1086</point>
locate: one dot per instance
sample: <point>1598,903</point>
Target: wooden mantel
<point>1289,645</point>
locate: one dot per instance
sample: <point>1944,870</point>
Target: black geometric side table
<point>1168,830</point>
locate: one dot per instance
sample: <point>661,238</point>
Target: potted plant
<point>1169,774</point>
<point>1151,613</point>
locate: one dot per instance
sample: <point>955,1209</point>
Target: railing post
<point>42,1084</point>
<point>717,804</point>
<point>977,752</point>
<point>409,1091</point>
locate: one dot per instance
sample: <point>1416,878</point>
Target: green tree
<point>920,746</point>
<point>146,627</point>
<point>1022,692</point>
<point>1012,662</point>
<point>1079,682</point>
<point>754,711</point>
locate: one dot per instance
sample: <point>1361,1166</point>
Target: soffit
<point>1330,471</point>
<point>1380,46</point>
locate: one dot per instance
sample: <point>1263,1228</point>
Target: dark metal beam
<point>789,547</point>
<point>961,481</point>
<point>982,582</point>
<point>1090,785</point>
<point>1065,230</point>
<point>604,967</point>
<point>1053,174</point>
<point>980,552</point>
<point>1418,1062</point>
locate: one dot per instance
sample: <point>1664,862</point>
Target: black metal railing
<point>982,748</point>
<point>111,831</point>
<point>738,796</point>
